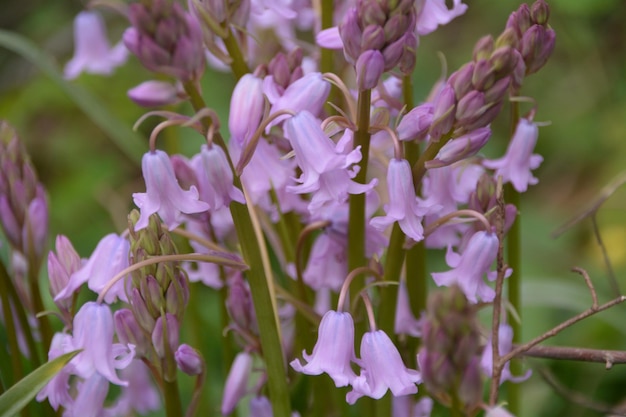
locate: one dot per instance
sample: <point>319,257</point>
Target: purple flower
<point>215,178</point>
<point>435,12</point>
<point>505,344</point>
<point>57,390</point>
<point>333,351</point>
<point>325,168</point>
<point>403,205</point>
<point>236,383</point>
<point>383,369</point>
<point>189,360</point>
<point>163,194</point>
<point>469,267</point>
<point>92,52</point>
<point>246,108</point>
<point>369,69</point>
<point>308,94</point>
<point>93,333</point>
<point>107,260</point>
<point>519,160</point>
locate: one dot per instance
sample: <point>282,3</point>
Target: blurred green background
<point>581,91</point>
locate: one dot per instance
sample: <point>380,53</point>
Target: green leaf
<point>20,394</point>
<point>129,142</point>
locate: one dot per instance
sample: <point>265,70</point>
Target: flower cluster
<point>329,171</point>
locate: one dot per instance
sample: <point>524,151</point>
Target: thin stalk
<point>514,260</point>
<point>260,279</point>
<point>9,324</point>
<point>173,405</point>
<point>389,293</point>
<point>326,55</point>
<point>43,320</point>
<point>238,64</point>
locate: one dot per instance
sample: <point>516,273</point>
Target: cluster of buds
<point>378,36</point>
<point>450,355</point>
<point>23,206</point>
<point>166,39</point>
<point>158,295</point>
<point>473,96</point>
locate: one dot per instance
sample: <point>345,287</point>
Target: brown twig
<point>497,364</point>
<point>567,353</point>
<point>594,295</point>
<point>556,330</point>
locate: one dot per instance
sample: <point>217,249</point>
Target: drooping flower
<point>383,370</point>
<point>92,52</point>
<point>163,193</point>
<point>109,258</point>
<point>154,93</point>
<point>404,207</point>
<point>516,165</point>
<point>215,178</point>
<point>93,333</point>
<point>469,267</point>
<point>333,351</point>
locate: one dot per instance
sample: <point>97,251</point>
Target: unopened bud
<point>129,332</point>
<point>443,113</point>
<point>369,69</point>
<point>373,38</point>
<point>460,148</point>
<point>461,80</point>
<point>483,48</point>
<point>519,20</point>
<point>483,76</point>
<point>540,12</point>
<point>140,311</point>
<point>189,360</point>
<point>170,328</point>
<point>536,47</point>
<point>236,382</point>
<point>154,94</point>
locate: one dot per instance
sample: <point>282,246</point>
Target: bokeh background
<point>581,91</point>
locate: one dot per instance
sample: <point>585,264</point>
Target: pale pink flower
<point>435,13</point>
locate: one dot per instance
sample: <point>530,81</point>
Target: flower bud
<point>236,382</point>
<point>239,302</point>
<point>460,148</point>
<point>140,311</point>
<point>519,20</point>
<point>461,80</point>
<point>351,34</point>
<point>373,38</point>
<point>470,107</point>
<point>189,360</point>
<point>369,69</point>
<point>177,295</point>
<point>483,48</point>
<point>415,124</point>
<point>540,12</point>
<point>483,76</point>
<point>443,113</point>
<point>536,47</point>
<point>246,108</point>
<point>129,332</point>
<point>161,330</point>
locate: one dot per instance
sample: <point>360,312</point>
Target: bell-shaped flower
<point>215,178</point>
<point>404,207</point>
<point>333,351</point>
<point>163,193</point>
<point>309,94</point>
<point>92,52</point>
<point>325,167</point>
<point>516,165</point>
<point>469,267</point>
<point>57,390</point>
<point>505,344</point>
<point>93,333</point>
<point>383,370</point>
<point>107,260</point>
<point>435,12</point>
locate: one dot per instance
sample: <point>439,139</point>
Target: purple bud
<point>461,80</point>
<point>236,382</point>
<point>498,90</point>
<point>540,12</point>
<point>396,27</point>
<point>503,60</point>
<point>460,148</point>
<point>520,20</point>
<point>508,38</point>
<point>483,48</point>
<point>407,60</point>
<point>140,310</point>
<point>372,13</point>
<point>369,69</point>
<point>154,94</point>
<point>373,38</point>
<point>443,113</point>
<point>415,124</point>
<point>279,68</point>
<point>239,302</point>
<point>469,107</point>
<point>393,53</point>
<point>189,360</point>
<point>9,222</point>
<point>246,107</point>
<point>471,387</point>
<point>350,33</point>
<point>536,47</point>
<point>35,230</point>
<point>177,295</point>
<point>169,328</point>
<point>483,76</point>
<point>129,332</point>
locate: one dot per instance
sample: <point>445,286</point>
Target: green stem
<point>9,324</point>
<point>173,406</point>
<point>392,268</point>
<point>238,64</point>
<point>356,225</point>
<point>260,280</point>
<point>43,320</point>
<point>514,261</point>
<point>326,55</point>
